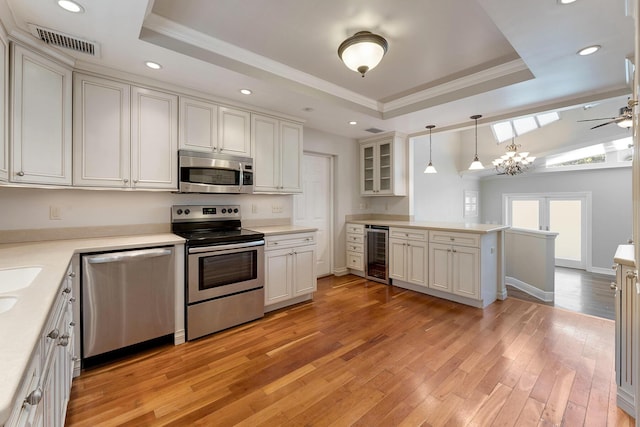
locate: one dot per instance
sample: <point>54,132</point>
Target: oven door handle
<point>217,248</point>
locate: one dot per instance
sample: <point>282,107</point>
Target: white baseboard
<point>179,337</point>
<point>600,270</point>
<point>529,289</point>
<point>342,271</point>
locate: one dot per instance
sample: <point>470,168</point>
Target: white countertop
<point>442,226</point>
<point>21,326</point>
<point>625,255</point>
<point>274,230</point>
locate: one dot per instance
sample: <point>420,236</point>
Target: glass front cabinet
<point>383,165</point>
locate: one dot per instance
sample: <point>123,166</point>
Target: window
<point>504,131</point>
<point>470,204</point>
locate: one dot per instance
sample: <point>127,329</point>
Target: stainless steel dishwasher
<point>127,298</point>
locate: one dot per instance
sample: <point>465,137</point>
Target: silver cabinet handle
<point>632,274</point>
<point>34,397</point>
<point>67,290</point>
<point>72,274</point>
<point>64,340</point>
<point>72,299</point>
<point>53,334</point>
<point>128,255</point>
<point>613,286</point>
<point>614,267</point>
<point>125,180</point>
<point>20,173</point>
<point>453,250</point>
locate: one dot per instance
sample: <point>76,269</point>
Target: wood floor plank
<point>366,354</point>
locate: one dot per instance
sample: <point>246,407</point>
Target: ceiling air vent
<point>374,130</point>
<point>56,38</point>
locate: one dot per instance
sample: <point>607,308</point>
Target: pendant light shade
<point>430,168</point>
<point>476,164</point>
<point>363,51</point>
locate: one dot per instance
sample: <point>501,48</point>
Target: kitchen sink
<point>13,279</point>
<point>6,303</point>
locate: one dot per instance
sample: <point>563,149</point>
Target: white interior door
<point>565,214</point>
<point>314,206</point>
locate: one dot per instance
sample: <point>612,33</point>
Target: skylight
<point>592,154</point>
<point>504,131</point>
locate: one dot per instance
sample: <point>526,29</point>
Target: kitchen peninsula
<point>455,261</point>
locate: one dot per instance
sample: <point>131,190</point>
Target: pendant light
<point>430,168</point>
<point>476,164</point>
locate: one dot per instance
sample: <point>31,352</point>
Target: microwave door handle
<point>241,177</point>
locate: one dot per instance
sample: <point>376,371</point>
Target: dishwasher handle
<point>128,255</point>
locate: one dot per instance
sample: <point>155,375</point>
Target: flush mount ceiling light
<point>353,123</point>
<point>589,50</point>
<point>566,1</point>
<point>246,91</point>
<point>430,168</point>
<point>153,65</point>
<point>363,51</point>
<point>70,6</point>
<point>476,164</point>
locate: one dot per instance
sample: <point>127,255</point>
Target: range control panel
<point>181,213</point>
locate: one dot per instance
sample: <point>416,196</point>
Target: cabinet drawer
<point>355,228</point>
<point>355,261</point>
<point>464,239</point>
<point>289,240</point>
<point>355,238</point>
<point>355,247</point>
<point>408,233</point>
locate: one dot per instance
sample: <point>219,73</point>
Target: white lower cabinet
<point>290,269</point>
<point>454,269</point>
<point>46,387</point>
<point>355,248</point>
<point>408,255</point>
<point>626,319</point>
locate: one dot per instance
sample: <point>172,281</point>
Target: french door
<point>565,214</point>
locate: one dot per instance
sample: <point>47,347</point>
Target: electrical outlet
<point>254,208</point>
<point>276,209</point>
<point>54,212</point>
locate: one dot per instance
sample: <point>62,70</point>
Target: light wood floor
<point>367,354</point>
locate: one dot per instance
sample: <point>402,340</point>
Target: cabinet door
<point>234,132</point>
<point>4,96</point>
<point>440,267</point>
<point>304,270</point>
<point>397,259</point>
<point>466,271</point>
<point>41,120</point>
<point>385,168</point>
<point>265,141</point>
<point>368,165</point>
<point>291,157</point>
<point>198,125</point>
<point>154,139</point>
<point>417,260</point>
<point>101,132</point>
<point>277,267</point>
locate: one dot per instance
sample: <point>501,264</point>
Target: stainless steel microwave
<point>201,172</point>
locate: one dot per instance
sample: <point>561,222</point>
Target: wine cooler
<point>376,253</point>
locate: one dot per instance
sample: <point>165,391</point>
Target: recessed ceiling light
<point>566,1</point>
<point>153,65</point>
<point>70,6</point>
<point>353,122</point>
<point>589,50</point>
<point>245,91</point>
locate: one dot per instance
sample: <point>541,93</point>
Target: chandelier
<point>513,162</point>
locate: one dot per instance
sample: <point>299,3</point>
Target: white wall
<point>439,197</point>
<point>345,183</point>
<point>611,202</point>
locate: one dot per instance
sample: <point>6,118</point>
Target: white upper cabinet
<point>41,120</point>
<point>198,125</point>
<point>154,139</point>
<point>234,132</point>
<point>102,127</point>
<point>4,140</point>
<point>125,136</point>
<point>383,162</point>
<point>277,146</point>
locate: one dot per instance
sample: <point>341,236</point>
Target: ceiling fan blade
<point>603,124</point>
<point>603,118</point>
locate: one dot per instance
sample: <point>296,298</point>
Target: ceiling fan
<point>624,120</point>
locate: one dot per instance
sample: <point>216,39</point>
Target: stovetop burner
<point>205,225</point>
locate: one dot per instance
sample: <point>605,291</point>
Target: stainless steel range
<point>224,271</point>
